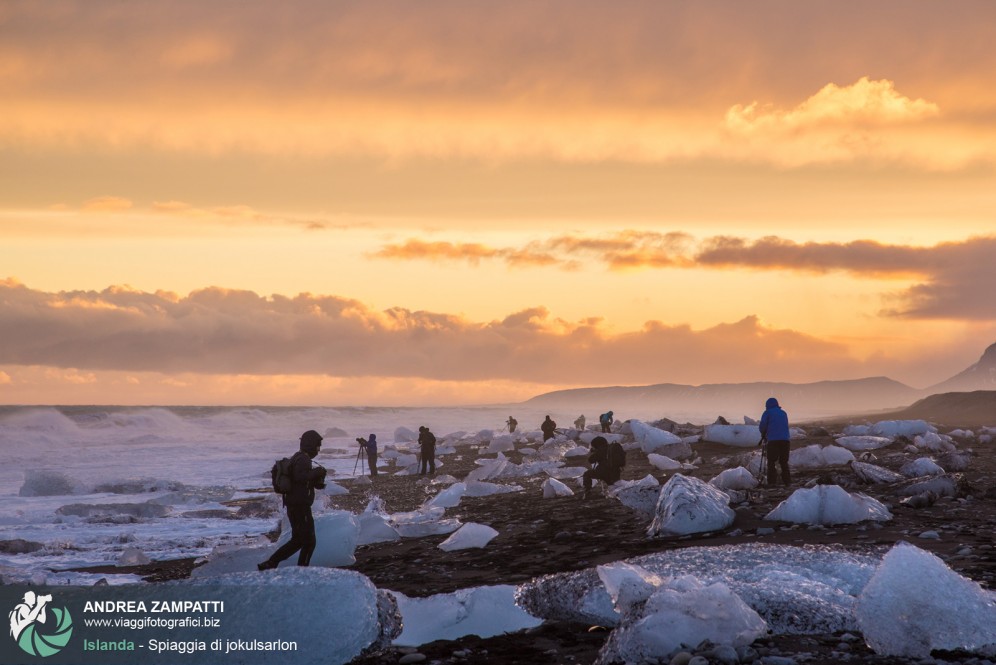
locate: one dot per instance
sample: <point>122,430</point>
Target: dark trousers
<point>547,435</point>
<point>606,428</point>
<point>372,461</point>
<point>428,462</point>
<point>778,455</point>
<point>302,536</point>
<point>599,473</point>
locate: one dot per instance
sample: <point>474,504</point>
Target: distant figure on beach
<point>774,426</point>
<point>602,467</point>
<point>579,423</point>
<point>305,479</point>
<point>427,451</point>
<point>512,424</point>
<point>548,428</point>
<point>371,448</point>
<point>605,420</point>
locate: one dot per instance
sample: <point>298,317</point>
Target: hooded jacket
<point>304,477</point>
<point>774,423</point>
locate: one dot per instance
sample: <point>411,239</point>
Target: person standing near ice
<point>605,420</point>
<point>774,427</point>
<point>371,447</point>
<point>427,450</point>
<point>512,424</point>
<point>579,423</point>
<point>305,479</point>
<point>548,427</point>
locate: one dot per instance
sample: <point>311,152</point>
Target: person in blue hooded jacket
<point>775,434</point>
<point>371,447</point>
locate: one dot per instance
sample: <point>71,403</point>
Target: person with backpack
<point>775,436</point>
<point>606,463</point>
<point>605,420</point>
<point>427,450</point>
<point>371,448</point>
<point>579,423</point>
<point>548,427</point>
<point>297,481</point>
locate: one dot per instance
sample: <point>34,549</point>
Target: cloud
<point>222,332</point>
<point>865,102</point>
<point>952,272</point>
<point>107,204</point>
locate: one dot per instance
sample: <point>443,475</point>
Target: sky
<point>433,203</point>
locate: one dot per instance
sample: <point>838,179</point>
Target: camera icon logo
<point>38,628</point>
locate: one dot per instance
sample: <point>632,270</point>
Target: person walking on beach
<point>579,423</point>
<point>512,424</point>
<point>548,427</point>
<point>602,466</point>
<point>774,427</point>
<point>427,450</point>
<point>305,479</point>
<point>371,448</point>
<point>605,420</point>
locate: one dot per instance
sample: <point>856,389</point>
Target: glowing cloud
<point>107,204</point>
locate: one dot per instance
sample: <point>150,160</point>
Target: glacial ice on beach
<point>651,438</point>
<point>744,436</point>
<point>501,444</point>
<point>914,603</point>
<point>337,532</point>
<point>554,488</point>
<point>468,536</point>
<point>828,504</point>
<point>923,466</point>
<point>449,497</point>
<point>857,443</point>
<point>934,442</point>
<point>663,462</point>
<point>907,428</point>
<point>426,521</point>
<point>796,590</point>
<point>482,611</point>
<point>816,456</point>
<point>345,612</point>
<point>872,473</point>
<point>640,495</point>
<point>734,479</point>
<point>661,617</point>
<point>688,505</point>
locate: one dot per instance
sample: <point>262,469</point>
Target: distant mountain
<point>980,376</point>
<point>959,409</point>
<point>732,400</point>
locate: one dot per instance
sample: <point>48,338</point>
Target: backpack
<point>616,455</point>
<point>281,476</point>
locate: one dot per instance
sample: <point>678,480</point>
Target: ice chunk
<point>46,482</point>
<point>270,606</point>
<point>907,428</point>
<point>914,604</point>
<point>374,528</point>
<point>501,444</point>
<point>566,472</point>
<point>940,485</point>
<point>553,488</point>
<point>132,556</point>
<point>688,505</point>
<point>744,436</point>
<point>640,495</point>
<point>923,466</point>
<point>577,451</point>
<point>872,473</point>
<point>97,510</point>
<point>651,438</point>
<point>482,611</point>
<point>477,489</point>
<point>663,462</point>
<point>863,442</point>
<point>828,504</point>
<point>735,479</point>
<point>334,489</point>
<point>444,479</point>
<point>449,497</point>
<point>422,529</point>
<point>816,456</point>
<point>933,442</point>
<point>404,435</point>
<point>681,614</point>
<point>469,535</point>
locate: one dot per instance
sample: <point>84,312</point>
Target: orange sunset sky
<point>421,203</point>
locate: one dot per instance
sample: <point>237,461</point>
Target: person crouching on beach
<point>774,428</point>
<point>601,468</point>
<point>305,479</point>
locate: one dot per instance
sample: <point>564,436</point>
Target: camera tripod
<point>360,454</point>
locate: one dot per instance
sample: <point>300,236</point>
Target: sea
<point>94,484</point>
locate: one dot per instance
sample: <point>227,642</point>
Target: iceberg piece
<point>651,438</point>
<point>404,435</point>
<point>553,488</point>
<point>863,442</point>
<point>934,442</point>
<point>743,436</point>
<point>914,604</point>
<point>872,473</point>
<point>734,479</point>
<point>940,485</point>
<point>923,466</point>
<point>577,451</point>
<point>663,462</point>
<point>828,504</point>
<point>566,472</point>
<point>46,482</point>
<point>501,444</point>
<point>337,534</point>
<point>374,528</point>
<point>476,488</point>
<point>816,456</point>
<point>449,497</point>
<point>681,614</point>
<point>894,428</point>
<point>469,535</point>
<point>688,505</point>
<point>357,616</point>
<point>640,495</point>
<point>132,556</point>
<point>483,611</point>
